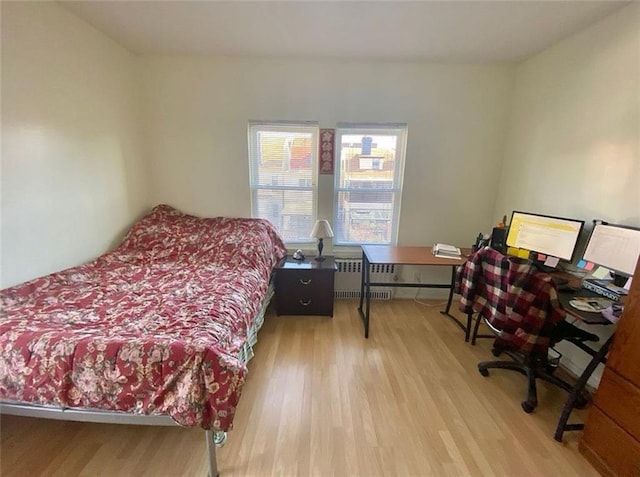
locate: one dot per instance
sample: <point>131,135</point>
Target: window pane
<point>285,158</point>
<point>368,184</point>
<point>368,221</point>
<point>291,211</point>
<point>367,158</point>
<point>283,172</point>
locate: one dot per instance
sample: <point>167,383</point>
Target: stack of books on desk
<point>605,288</point>
<point>446,251</point>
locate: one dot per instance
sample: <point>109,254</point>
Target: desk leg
<point>466,328</point>
<point>362,280</point>
<point>453,282</point>
<point>577,389</point>
<point>365,294</point>
<point>368,301</point>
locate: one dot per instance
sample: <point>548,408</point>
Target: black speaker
<point>499,239</point>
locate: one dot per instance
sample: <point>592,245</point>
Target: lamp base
<point>320,258</point>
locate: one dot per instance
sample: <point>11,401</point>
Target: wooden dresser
<point>611,439</point>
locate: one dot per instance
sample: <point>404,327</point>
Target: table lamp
<point>321,230</point>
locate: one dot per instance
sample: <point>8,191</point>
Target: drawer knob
<point>305,282</point>
<point>305,302</point>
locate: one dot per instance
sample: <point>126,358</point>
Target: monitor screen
<point>554,236</point>
<point>615,247</point>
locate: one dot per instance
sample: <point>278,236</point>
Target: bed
<point>157,331</point>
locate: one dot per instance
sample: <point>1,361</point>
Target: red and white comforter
<point>153,327</point>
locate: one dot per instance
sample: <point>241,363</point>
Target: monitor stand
<point>560,279</point>
<point>541,266</point>
<point>545,268</point>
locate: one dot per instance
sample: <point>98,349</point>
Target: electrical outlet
<point>416,277</point>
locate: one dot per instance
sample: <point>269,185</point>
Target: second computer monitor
<point>544,234</point>
<point>615,247</point>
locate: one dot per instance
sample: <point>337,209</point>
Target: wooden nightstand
<point>305,287</point>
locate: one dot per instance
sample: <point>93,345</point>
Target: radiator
<point>349,274</point>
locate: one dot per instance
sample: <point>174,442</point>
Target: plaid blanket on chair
<point>512,295</point>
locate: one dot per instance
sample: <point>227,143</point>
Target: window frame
<point>400,130</point>
<point>254,127</point>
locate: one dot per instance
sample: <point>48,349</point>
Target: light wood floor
<point>321,401</point>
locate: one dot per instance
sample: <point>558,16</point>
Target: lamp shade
<point>322,229</point>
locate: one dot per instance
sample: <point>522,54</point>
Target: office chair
<point>520,306</point>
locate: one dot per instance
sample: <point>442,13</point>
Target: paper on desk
<point>551,261</point>
<point>600,273</point>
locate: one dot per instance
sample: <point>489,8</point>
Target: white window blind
<point>283,165</point>
<point>368,183</point>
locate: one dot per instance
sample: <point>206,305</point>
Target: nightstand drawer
<point>305,281</point>
<point>301,306</point>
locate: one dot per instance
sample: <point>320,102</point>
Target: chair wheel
<point>496,352</point>
<point>483,371</point>
<point>528,407</point>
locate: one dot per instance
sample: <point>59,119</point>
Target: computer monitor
<point>615,247</point>
<point>544,234</point>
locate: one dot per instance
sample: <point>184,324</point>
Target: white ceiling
<point>445,31</point>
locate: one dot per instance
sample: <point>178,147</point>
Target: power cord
<point>415,299</point>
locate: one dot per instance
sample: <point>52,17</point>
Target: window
<point>368,183</point>
<point>283,164</point>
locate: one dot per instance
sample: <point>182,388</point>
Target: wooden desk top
<point>410,255</point>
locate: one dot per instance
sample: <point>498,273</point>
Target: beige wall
<point>199,109</point>
<point>574,144</point>
<point>72,172</point>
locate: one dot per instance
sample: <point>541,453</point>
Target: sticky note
<point>589,266</point>
<point>600,273</point>
<point>551,261</point>
<point>523,253</point>
<point>582,264</point>
<point>542,257</point>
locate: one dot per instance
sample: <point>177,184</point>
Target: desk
<point>414,256</point>
<point>598,356</point>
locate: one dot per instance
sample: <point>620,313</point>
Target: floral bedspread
<point>152,327</point>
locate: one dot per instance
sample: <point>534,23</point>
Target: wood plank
<point>609,446</point>
<point>620,400</point>
<point>322,400</point>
